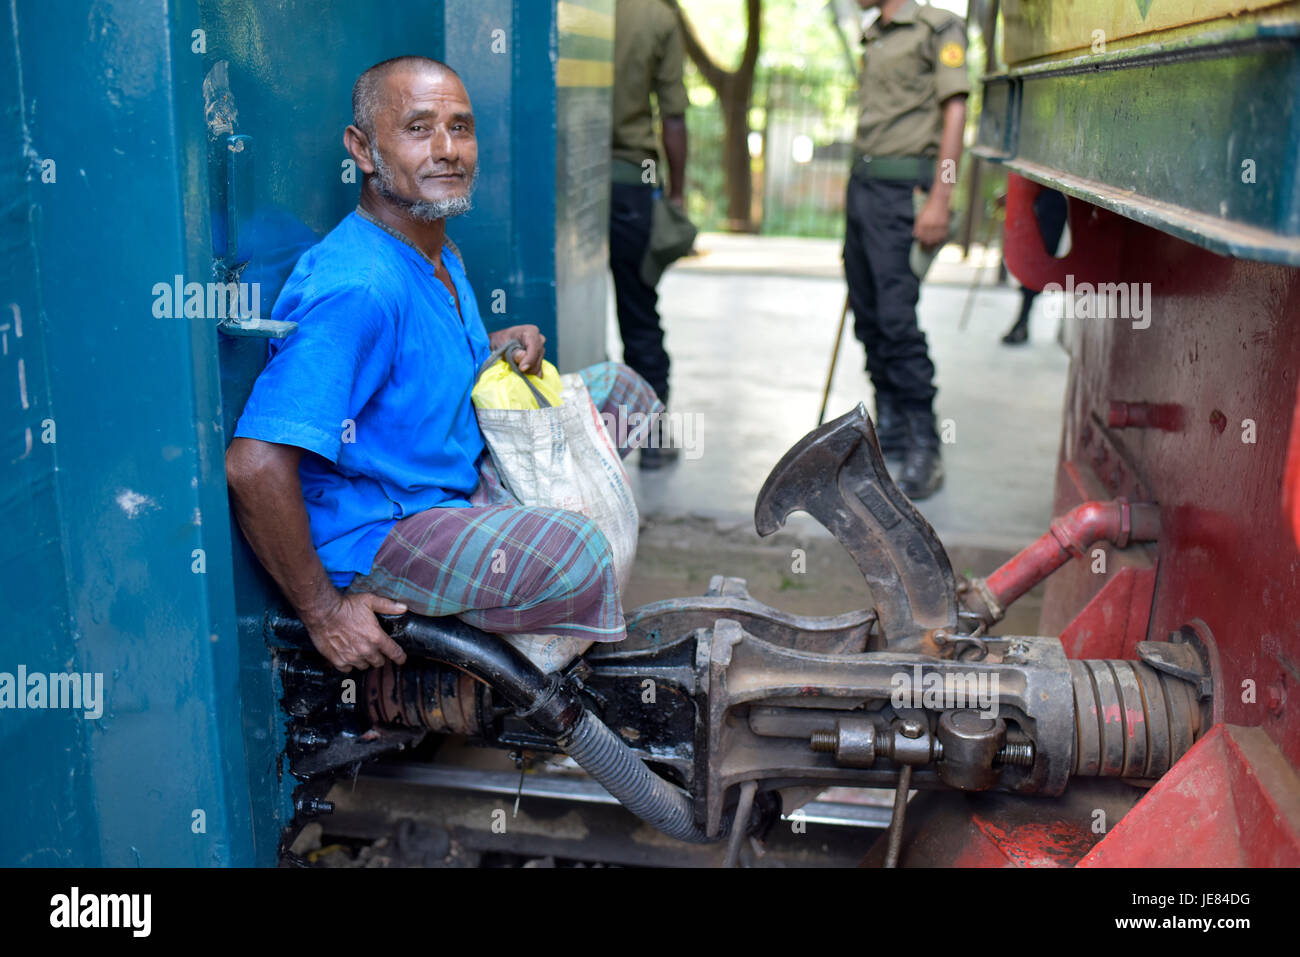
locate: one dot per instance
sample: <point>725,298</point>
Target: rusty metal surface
<point>1039,28</point>
<point>345,750</point>
<point>423,695</point>
<point>1224,346</point>
<point>1132,721</point>
<point>661,623</point>
<point>1101,609</point>
<point>1233,801</point>
<point>1194,411</point>
<point>1078,124</point>
<point>998,829</point>
<point>1291,487</point>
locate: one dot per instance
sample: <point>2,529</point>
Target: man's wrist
<point>502,335</point>
<point>322,608</point>
<point>941,193</point>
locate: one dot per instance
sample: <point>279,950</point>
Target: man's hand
<point>529,358</point>
<point>931,226</point>
<point>349,636</point>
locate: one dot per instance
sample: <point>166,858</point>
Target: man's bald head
<point>368,91</point>
<point>412,137</point>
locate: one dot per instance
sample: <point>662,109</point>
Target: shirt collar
<point>400,237</point>
<point>906,15</point>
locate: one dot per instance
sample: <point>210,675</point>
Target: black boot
<point>657,458</point>
<point>660,448</point>
<point>922,473</point>
<point>1019,333</point>
<point>891,429</point>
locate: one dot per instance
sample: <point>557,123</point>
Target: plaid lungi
<point>507,568</point>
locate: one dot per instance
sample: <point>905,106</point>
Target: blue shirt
<point>375,386</point>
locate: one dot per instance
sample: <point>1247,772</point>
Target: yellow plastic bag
<point>502,386</point>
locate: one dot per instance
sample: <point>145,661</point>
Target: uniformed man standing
<point>906,153</point>
<point>649,57</point>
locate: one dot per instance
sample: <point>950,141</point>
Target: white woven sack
<point>563,457</point>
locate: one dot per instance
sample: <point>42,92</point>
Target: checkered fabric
<point>506,568</point>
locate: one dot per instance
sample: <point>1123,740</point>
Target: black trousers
<point>883,290</point>
<point>630,210</point>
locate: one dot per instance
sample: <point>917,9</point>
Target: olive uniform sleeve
<point>948,50</point>
<point>670,88</point>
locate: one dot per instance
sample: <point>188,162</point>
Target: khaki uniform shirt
<point>909,67</point>
<point>648,58</point>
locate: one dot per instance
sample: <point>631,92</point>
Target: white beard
<point>426,211</point>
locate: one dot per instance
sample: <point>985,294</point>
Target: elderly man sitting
<point>358,463</point>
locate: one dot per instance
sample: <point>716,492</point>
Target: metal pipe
<point>896,822</point>
<point>743,808</point>
<point>484,656</point>
<point>1071,536</point>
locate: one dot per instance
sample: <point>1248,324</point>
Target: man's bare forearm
<point>950,144</point>
<point>267,496</point>
<point>675,150</point>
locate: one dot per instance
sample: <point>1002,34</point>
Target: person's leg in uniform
<point>1020,331</point>
<point>901,345</point>
<point>630,214</point>
<point>890,430</point>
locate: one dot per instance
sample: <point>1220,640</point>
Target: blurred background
<point>780,169</point>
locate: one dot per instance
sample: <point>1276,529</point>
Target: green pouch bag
<point>672,235</point>
<point>920,259</point>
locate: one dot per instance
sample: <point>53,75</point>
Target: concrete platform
<point>750,324</point>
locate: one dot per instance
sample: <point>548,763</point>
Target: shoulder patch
<point>951,54</point>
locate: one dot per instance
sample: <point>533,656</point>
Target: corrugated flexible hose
<point>603,755</point>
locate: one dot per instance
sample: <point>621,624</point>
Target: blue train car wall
<point>153,153</point>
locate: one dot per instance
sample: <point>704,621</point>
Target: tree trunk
<point>735,90</point>
<point>736,163</point>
